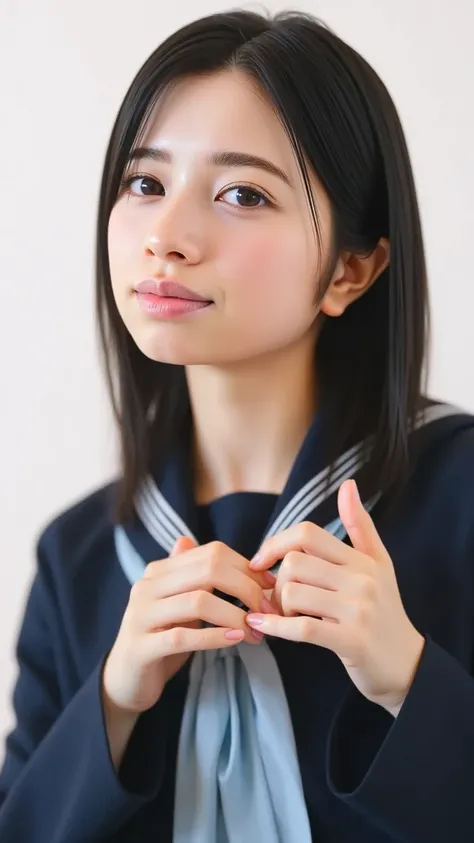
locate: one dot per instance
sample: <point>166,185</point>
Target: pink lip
<point>167,288</point>
<point>167,299</point>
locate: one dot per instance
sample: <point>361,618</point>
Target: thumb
<point>358,523</point>
<point>182,544</point>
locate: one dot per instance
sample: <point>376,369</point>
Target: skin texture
<point>345,599</point>
<point>254,255</point>
<point>162,626</point>
<point>254,252</point>
<point>244,239</point>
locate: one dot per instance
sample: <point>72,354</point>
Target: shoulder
<point>83,529</point>
<point>437,502</point>
<point>445,459</point>
<point>79,588</point>
<point>430,534</point>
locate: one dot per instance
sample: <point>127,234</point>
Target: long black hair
<point>343,125</point>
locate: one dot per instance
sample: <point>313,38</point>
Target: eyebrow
<point>224,158</point>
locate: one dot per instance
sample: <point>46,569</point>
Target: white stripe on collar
<point>162,521</point>
<point>159,517</point>
<point>343,468</point>
<point>316,491</point>
<point>154,520</point>
<point>166,526</point>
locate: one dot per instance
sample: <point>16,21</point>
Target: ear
<point>353,276</point>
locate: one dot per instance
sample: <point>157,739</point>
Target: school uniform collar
<point>236,732</point>
<point>165,507</point>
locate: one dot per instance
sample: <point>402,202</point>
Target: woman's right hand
<point>162,624</point>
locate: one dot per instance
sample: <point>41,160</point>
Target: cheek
<point>269,273</point>
<point>121,241</point>
<point>260,260</point>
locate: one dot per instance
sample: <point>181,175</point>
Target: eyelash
<point>127,181</point>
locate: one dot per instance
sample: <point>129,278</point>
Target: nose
<point>174,235</point>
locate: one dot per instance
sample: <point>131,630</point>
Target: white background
<point>64,68</point>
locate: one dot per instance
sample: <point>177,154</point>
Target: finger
<point>197,606</point>
<point>303,568</point>
<point>182,544</point>
<point>214,555</point>
<point>358,523</point>
<point>158,645</point>
<point>193,606</point>
<point>322,633</point>
<point>307,538</point>
<point>189,578</point>
<point>299,599</point>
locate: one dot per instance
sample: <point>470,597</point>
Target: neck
<point>250,421</point>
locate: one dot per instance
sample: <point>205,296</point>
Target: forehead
<point>225,110</point>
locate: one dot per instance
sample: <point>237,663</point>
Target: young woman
<point>223,645</point>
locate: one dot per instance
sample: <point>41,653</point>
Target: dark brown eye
<point>144,186</point>
<point>244,197</point>
<point>248,197</point>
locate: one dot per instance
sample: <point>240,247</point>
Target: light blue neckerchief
<point>238,776</point>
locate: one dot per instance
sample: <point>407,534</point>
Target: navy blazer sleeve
<point>58,782</point>
<point>419,786</point>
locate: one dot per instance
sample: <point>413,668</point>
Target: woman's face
<point>217,205</point>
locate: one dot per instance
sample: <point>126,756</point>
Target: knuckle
<point>150,570</point>
<point>305,531</point>
<point>369,588</point>
<point>306,628</point>
<point>216,548</point>
<point>362,614</point>
<point>291,562</point>
<point>288,593</point>
<point>366,589</point>
<point>210,571</point>
<point>200,601</point>
<point>214,557</point>
<point>137,592</point>
<point>176,638</point>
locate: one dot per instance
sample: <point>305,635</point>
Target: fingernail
<point>255,620</point>
<point>255,561</point>
<point>269,578</point>
<point>266,606</point>
<point>234,634</point>
<point>257,635</point>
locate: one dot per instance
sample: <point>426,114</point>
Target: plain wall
<point>64,68</point>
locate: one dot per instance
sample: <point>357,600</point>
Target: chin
<point>181,346</point>
<point>184,354</point>
<point>174,351</point>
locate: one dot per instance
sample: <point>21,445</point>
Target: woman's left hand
<point>345,599</point>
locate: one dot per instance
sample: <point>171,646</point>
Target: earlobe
<point>331,306</point>
<point>353,276</point>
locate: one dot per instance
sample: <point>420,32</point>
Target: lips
<point>168,289</point>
